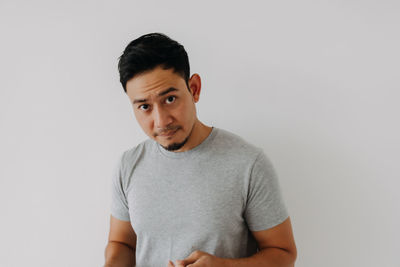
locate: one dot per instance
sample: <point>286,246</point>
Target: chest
<point>205,202</point>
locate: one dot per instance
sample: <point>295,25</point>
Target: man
<point>191,194</point>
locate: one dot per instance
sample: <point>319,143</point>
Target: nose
<point>161,118</point>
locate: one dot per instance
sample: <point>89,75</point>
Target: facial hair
<point>175,146</point>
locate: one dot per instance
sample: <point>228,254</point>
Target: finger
<point>192,258</point>
<point>170,264</point>
<point>179,264</point>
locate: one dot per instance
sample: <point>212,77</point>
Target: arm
<point>121,247</point>
<point>277,249</point>
<point>119,255</point>
<point>268,257</point>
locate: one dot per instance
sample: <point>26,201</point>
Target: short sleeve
<point>119,204</point>
<point>265,206</point>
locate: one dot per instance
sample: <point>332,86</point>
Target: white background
<point>314,83</point>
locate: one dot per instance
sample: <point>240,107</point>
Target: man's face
<point>163,106</point>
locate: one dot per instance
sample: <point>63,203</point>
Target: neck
<point>199,133</point>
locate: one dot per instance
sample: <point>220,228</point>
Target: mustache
<point>168,130</point>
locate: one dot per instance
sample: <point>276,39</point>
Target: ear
<point>195,87</point>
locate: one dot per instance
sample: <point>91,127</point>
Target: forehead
<point>153,82</point>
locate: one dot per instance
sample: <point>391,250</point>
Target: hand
<point>198,259</point>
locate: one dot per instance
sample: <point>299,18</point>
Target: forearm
<point>269,257</point>
<point>119,255</point>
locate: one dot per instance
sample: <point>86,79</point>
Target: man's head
<point>154,72</point>
<point>149,51</point>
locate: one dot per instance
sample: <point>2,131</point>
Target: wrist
<point>223,262</point>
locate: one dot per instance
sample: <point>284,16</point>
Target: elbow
<point>293,257</point>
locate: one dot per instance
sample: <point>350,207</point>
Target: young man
<point>191,194</point>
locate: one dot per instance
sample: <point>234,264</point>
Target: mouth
<point>170,133</point>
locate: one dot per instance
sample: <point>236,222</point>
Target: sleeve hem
<point>261,227</point>
<point>121,217</point>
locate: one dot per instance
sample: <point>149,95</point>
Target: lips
<point>168,133</point>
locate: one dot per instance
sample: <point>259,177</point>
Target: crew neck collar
<point>189,152</point>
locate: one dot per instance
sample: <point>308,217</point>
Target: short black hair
<point>152,50</point>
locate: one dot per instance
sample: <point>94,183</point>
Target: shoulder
<point>227,138</point>
<point>130,156</point>
<point>234,144</point>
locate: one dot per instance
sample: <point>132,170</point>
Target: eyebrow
<point>171,89</point>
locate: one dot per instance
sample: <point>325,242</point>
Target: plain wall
<point>314,83</point>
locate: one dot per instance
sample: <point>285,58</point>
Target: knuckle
<point>197,252</point>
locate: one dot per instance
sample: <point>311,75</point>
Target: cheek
<point>185,111</point>
<point>142,120</point>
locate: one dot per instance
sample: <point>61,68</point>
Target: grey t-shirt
<point>208,198</point>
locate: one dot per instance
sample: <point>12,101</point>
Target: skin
<point>174,111</point>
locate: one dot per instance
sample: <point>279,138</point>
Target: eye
<point>143,106</point>
<point>169,98</point>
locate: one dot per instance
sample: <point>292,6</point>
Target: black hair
<point>152,50</point>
